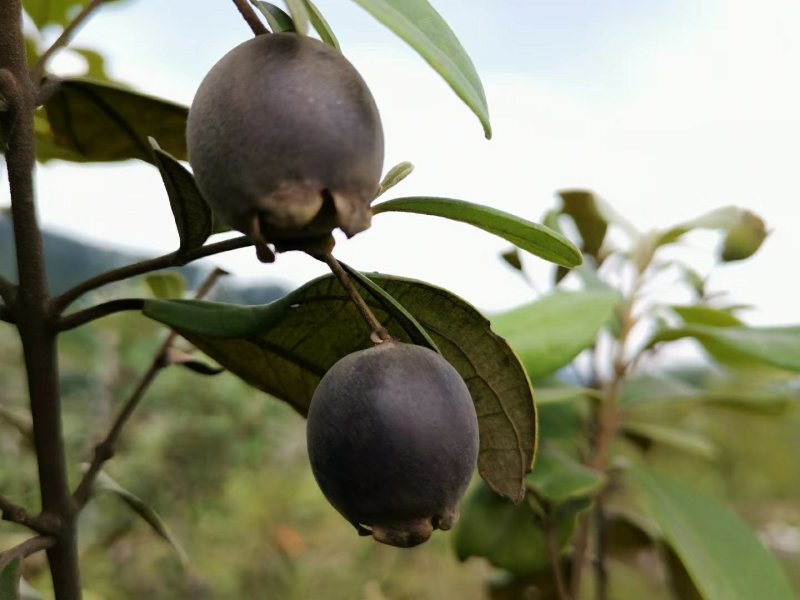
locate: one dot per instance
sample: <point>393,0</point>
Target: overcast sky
<point>665,108</point>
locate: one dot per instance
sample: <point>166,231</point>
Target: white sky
<point>665,108</point>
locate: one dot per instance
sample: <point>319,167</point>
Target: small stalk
<point>250,17</point>
<point>379,332</point>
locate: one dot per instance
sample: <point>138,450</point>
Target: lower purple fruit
<point>393,441</point>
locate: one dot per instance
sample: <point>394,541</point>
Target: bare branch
<point>96,312</point>
<point>65,37</point>
<point>174,259</point>
<point>26,548</point>
<point>251,17</point>
<point>105,449</point>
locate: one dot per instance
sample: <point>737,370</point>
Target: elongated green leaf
<point>193,217</point>
<point>672,437</point>
<point>168,284</point>
<point>419,25</point>
<point>565,394</point>
<point>105,483</point>
<point>321,25</point>
<point>706,315</point>
<point>395,175</point>
<point>643,390</point>
<point>279,21</point>
<point>103,121</point>
<point>550,332</point>
<point>776,346</point>
<point>9,579</point>
<point>582,206</point>
<point>723,556</point>
<point>559,478</point>
<point>285,348</point>
<point>299,12</point>
<point>510,537</point>
<point>531,237</point>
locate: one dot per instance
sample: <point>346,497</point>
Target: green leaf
<point>531,237</point>
<point>723,556</point>
<point>642,390</point>
<point>278,20</point>
<point>744,238</point>
<point>104,121</point>
<point>9,579</point>
<point>582,206</point>
<point>550,332</point>
<point>104,483</point>
<point>395,175</point>
<point>193,217</point>
<point>52,12</point>
<point>775,346</point>
<point>672,437</point>
<point>321,25</point>
<point>512,259</point>
<point>168,284</point>
<point>95,62</point>
<point>299,12</point>
<point>744,231</point>
<point>419,25</point>
<point>285,348</point>
<point>559,478</point>
<point>564,394</point>
<point>509,537</point>
<point>706,315</point>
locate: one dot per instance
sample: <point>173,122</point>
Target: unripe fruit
<point>286,142</point>
<point>393,441</point>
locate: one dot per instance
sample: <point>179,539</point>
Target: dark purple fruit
<point>393,441</point>
<point>286,142</point>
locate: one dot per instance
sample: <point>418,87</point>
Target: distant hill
<point>70,261</point>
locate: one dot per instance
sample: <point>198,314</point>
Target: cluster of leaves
<point>585,345</point>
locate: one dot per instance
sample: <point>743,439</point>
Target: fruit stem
<point>251,17</point>
<point>379,332</point>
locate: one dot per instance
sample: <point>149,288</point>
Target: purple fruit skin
<point>393,439</point>
<point>278,125</point>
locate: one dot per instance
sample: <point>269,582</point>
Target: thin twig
<point>100,310</point>
<point>13,513</point>
<point>173,259</point>
<point>105,449</point>
<point>251,17</point>
<point>379,333</point>
<point>26,548</point>
<point>65,37</point>
<point>555,560</point>
<point>579,548</point>
<point>600,570</point>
